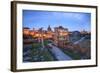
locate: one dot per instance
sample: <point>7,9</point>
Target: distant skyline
<point>74,21</point>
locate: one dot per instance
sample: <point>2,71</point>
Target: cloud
<point>45,18</point>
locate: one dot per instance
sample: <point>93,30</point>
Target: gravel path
<point>60,55</point>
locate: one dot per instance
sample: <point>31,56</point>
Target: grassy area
<point>72,54</point>
<point>39,45</point>
<point>46,42</point>
<point>40,55</point>
<point>47,55</point>
<point>36,45</point>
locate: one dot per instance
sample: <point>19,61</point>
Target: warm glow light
<point>26,32</point>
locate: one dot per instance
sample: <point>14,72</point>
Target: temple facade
<point>61,36</point>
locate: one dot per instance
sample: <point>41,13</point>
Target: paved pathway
<point>79,40</point>
<point>59,54</point>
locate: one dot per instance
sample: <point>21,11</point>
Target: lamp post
<point>42,40</point>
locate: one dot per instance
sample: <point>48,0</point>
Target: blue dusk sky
<point>74,21</point>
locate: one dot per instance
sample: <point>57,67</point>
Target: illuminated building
<point>61,36</point>
<point>26,31</point>
<point>49,33</point>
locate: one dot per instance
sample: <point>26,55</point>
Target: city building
<point>75,36</point>
<point>49,33</point>
<point>26,30</point>
<point>61,36</point>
